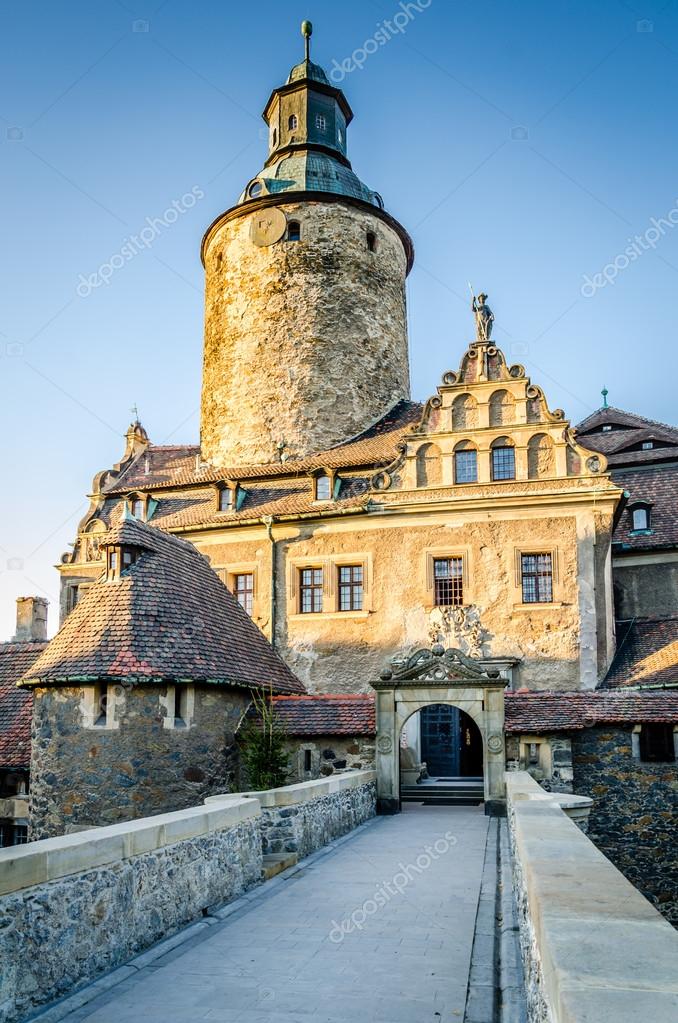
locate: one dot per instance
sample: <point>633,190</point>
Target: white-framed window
<point>323,487</point>
<point>640,517</point>
<point>321,122</point>
<point>536,577</point>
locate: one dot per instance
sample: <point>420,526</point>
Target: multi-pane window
<point>536,572</point>
<point>448,579</point>
<point>320,122</point>
<point>138,508</point>
<point>310,590</point>
<point>225,499</point>
<point>292,122</point>
<point>466,466</point>
<point>350,587</point>
<point>244,590</point>
<point>503,463</point>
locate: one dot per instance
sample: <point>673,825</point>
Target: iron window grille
<point>536,573</point>
<point>466,466</point>
<point>503,463</point>
<point>244,590</point>
<point>448,579</point>
<point>310,590</point>
<point>350,588</point>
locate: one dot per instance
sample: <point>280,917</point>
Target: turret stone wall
<point>83,775</point>
<point>305,341</point>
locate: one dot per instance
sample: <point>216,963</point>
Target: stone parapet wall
<point>75,907</point>
<point>593,947</point>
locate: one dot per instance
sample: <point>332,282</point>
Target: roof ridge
<point>632,415</point>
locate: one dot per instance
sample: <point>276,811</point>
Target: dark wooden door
<point>440,740</point>
<point>471,753</point>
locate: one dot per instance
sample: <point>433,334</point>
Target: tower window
<point>292,122</point>
<point>294,231</point>
<point>310,590</point>
<point>275,136</point>
<point>323,488</point>
<point>340,136</point>
<point>255,189</point>
<point>320,122</point>
<point>244,590</point>
<point>448,577</point>
<point>371,241</point>
<point>536,571</point>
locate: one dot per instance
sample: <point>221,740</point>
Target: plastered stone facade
<point>93,776</point>
<point>329,754</point>
<point>341,651</point>
<point>305,342</point>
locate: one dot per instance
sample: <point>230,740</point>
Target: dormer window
<point>647,445</point>
<point>226,499</point>
<point>606,428</point>
<point>119,559</point>
<point>292,122</point>
<point>137,506</point>
<point>640,517</point>
<point>323,488</point>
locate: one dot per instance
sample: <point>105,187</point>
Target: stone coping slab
<point>305,791</point>
<point>51,858</point>
<point>602,950</point>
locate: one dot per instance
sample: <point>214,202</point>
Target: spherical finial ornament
<point>437,649</point>
<point>306,28</point>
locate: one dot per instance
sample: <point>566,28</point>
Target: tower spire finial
<point>307,32</point>
<point>605,393</point>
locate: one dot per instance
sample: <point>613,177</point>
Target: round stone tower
<point>305,320</point>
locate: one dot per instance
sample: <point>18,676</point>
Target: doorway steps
<point>445,792</point>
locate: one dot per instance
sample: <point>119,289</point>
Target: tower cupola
<point>305,319</point>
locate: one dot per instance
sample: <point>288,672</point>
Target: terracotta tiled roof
<point>16,705</point>
<point>159,467</point>
<point>658,486</point>
<point>327,714</point>
<point>647,653</point>
<point>628,430</point>
<point>554,712</point>
<point>167,617</point>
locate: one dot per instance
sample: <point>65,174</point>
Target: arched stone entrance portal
<point>439,676</point>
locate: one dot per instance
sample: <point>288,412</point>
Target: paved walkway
<point>402,955</point>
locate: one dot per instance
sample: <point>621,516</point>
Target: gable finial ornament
<point>483,315</point>
<point>605,393</point>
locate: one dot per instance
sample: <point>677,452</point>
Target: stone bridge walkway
<point>380,927</point>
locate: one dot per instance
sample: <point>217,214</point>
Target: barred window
<point>448,577</point>
<point>310,590</point>
<point>503,463</point>
<point>536,572</point>
<point>350,587</point>
<point>466,466</point>
<point>244,590</point>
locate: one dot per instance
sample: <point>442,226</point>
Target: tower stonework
<point>305,314</point>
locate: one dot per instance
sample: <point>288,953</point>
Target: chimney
<point>31,619</point>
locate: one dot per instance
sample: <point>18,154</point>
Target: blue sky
<point>522,144</point>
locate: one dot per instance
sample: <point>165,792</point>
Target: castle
<point>355,527</point>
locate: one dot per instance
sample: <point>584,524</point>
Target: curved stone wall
<point>305,341</point>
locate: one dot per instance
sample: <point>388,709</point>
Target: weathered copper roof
<point>167,617</point>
